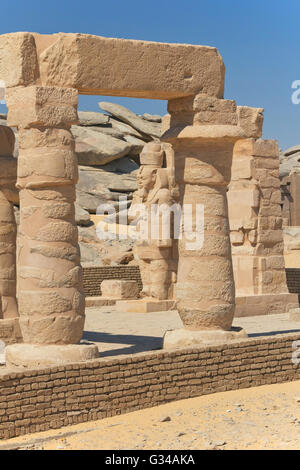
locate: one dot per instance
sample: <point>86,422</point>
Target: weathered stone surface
<point>90,254</point>
<point>82,217</point>
<point>98,301</point>
<point>251,121</point>
<point>31,356</point>
<point>90,202</point>
<point>53,159</point>
<point>152,117</point>
<point>18,59</point>
<point>294,314</point>
<point>95,148</point>
<point>10,331</point>
<point>291,238</point>
<point>289,163</point>
<point>8,229</point>
<point>137,145</point>
<point>35,106</point>
<point>124,114</point>
<point>125,129</point>
<point>177,339</point>
<point>119,289</point>
<point>160,70</point>
<point>119,175</point>
<point>7,141</point>
<point>145,305</point>
<point>107,130</point>
<point>256,233</point>
<point>290,151</point>
<point>90,118</point>
<point>202,109</point>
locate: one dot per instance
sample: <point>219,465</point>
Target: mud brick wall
<point>93,276</point>
<point>293,280</point>
<point>38,400</point>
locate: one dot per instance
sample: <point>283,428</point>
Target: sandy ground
<point>266,417</point>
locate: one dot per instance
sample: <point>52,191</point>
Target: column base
<point>264,304</point>
<point>176,339</point>
<point>294,314</point>
<point>32,355</point>
<point>145,306</point>
<point>99,301</point>
<point>10,331</point>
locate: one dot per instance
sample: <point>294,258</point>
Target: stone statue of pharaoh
<point>154,248</point>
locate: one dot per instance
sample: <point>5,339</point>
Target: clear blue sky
<point>259,41</point>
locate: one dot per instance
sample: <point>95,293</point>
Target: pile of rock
<point>107,145</point>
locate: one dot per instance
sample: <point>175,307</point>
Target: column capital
<point>39,106</point>
<point>205,118</point>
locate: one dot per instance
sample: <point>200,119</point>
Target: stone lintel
<point>123,67</point>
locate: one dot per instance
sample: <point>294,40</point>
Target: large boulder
<point>82,217</point>
<point>89,254</point>
<point>90,118</point>
<point>119,175</point>
<point>137,144</point>
<point>288,163</point>
<point>142,125</point>
<point>125,129</point>
<point>152,117</point>
<point>290,151</point>
<point>291,238</point>
<point>105,184</point>
<point>108,130</point>
<point>95,250</point>
<point>96,148</point>
<point>90,202</point>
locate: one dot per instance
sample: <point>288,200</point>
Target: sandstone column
<point>51,298</point>
<point>8,228</point>
<point>203,132</point>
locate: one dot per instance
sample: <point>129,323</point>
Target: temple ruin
<point>208,135</point>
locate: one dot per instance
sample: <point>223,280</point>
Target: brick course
<point>38,400</point>
<point>93,276</point>
<point>293,280</point>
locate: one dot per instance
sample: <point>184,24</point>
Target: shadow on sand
<point>136,343</point>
